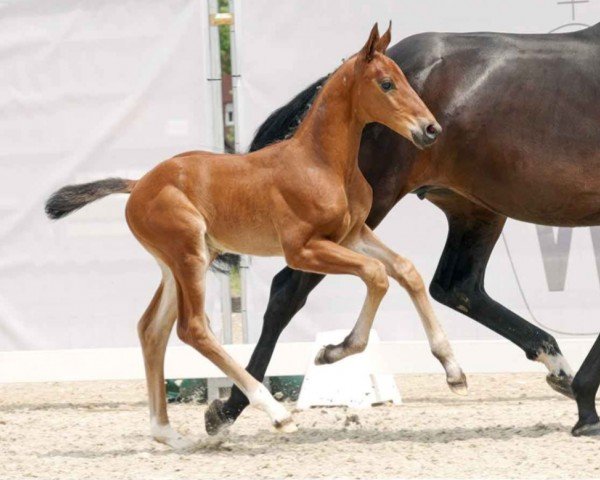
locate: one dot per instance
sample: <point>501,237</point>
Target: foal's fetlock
<point>458,383</point>
<point>285,425</point>
<point>455,377</point>
<point>324,355</point>
<point>280,418</point>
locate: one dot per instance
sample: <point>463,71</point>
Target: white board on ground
<point>358,381</point>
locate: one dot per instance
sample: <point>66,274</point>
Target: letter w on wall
<point>555,253</point>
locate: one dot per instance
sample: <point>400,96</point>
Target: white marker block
<point>357,381</point>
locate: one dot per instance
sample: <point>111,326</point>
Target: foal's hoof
<point>459,386</point>
<point>323,357</point>
<point>215,418</point>
<point>562,384</point>
<point>286,425</point>
<point>585,429</point>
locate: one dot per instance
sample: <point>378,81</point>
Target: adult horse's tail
<point>283,122</point>
<point>73,197</point>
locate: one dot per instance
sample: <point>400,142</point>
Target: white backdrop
<point>284,46</point>
<point>89,90</point>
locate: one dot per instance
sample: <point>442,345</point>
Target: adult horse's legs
<point>585,387</point>
<point>403,271</point>
<point>289,291</point>
<point>459,284</point>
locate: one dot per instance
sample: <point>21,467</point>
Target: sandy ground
<point>510,426</point>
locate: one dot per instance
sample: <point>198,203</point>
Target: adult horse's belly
<point>525,129</point>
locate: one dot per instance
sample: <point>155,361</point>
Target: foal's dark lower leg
<point>585,387</point>
<point>459,284</point>
<point>289,291</point>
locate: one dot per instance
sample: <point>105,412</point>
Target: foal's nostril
<point>432,131</point>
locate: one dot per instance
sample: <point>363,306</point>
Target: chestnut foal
<point>303,198</point>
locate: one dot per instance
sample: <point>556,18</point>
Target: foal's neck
<point>331,128</point>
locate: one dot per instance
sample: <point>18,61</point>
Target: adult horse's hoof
<point>562,384</point>
<point>215,419</point>
<point>459,386</point>
<point>585,429</point>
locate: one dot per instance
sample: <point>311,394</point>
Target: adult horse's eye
<point>387,85</point>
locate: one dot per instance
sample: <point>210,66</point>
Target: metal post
<point>235,81</point>
<point>215,77</point>
<point>226,319</point>
<point>235,78</point>
<point>218,144</point>
<point>244,270</point>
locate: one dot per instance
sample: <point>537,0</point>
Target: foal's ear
<point>368,51</point>
<point>385,40</point>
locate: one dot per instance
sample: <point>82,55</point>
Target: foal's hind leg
<point>154,329</point>
<point>585,386</point>
<point>403,271</point>
<point>189,266</point>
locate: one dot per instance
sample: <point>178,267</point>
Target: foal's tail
<point>73,197</point>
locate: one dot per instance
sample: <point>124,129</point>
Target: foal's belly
<point>248,238</point>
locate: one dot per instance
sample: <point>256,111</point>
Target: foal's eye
<point>387,85</point>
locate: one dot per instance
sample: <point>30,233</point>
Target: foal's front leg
<point>324,256</point>
<point>403,271</point>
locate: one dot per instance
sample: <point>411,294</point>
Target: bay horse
<point>522,140</point>
<point>304,199</point>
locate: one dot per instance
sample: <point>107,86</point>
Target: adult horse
<point>521,121</point>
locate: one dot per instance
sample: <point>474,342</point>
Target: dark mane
<point>283,122</point>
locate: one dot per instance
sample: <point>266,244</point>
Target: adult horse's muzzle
<point>426,134</point>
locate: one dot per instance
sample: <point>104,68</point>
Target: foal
<point>303,198</point>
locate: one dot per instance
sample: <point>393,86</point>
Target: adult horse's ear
<point>385,40</point>
<point>368,51</point>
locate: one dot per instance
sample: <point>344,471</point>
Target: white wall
<point>89,90</point>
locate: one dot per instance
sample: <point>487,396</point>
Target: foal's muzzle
<point>426,134</point>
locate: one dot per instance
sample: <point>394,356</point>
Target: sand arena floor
<point>510,426</point>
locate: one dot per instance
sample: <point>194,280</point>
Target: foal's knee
<point>408,276</point>
<point>375,276</point>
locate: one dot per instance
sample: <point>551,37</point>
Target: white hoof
<point>167,435</point>
<point>287,427</point>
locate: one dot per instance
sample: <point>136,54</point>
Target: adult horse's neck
<point>332,130</point>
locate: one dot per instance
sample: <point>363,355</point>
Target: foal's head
<point>383,95</point>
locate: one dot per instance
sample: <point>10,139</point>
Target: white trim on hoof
<point>560,377</point>
<point>169,436</point>
<point>586,430</point>
<point>561,384</point>
<point>282,419</point>
<point>556,364</point>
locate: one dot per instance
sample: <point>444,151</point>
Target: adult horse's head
<point>383,94</point>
